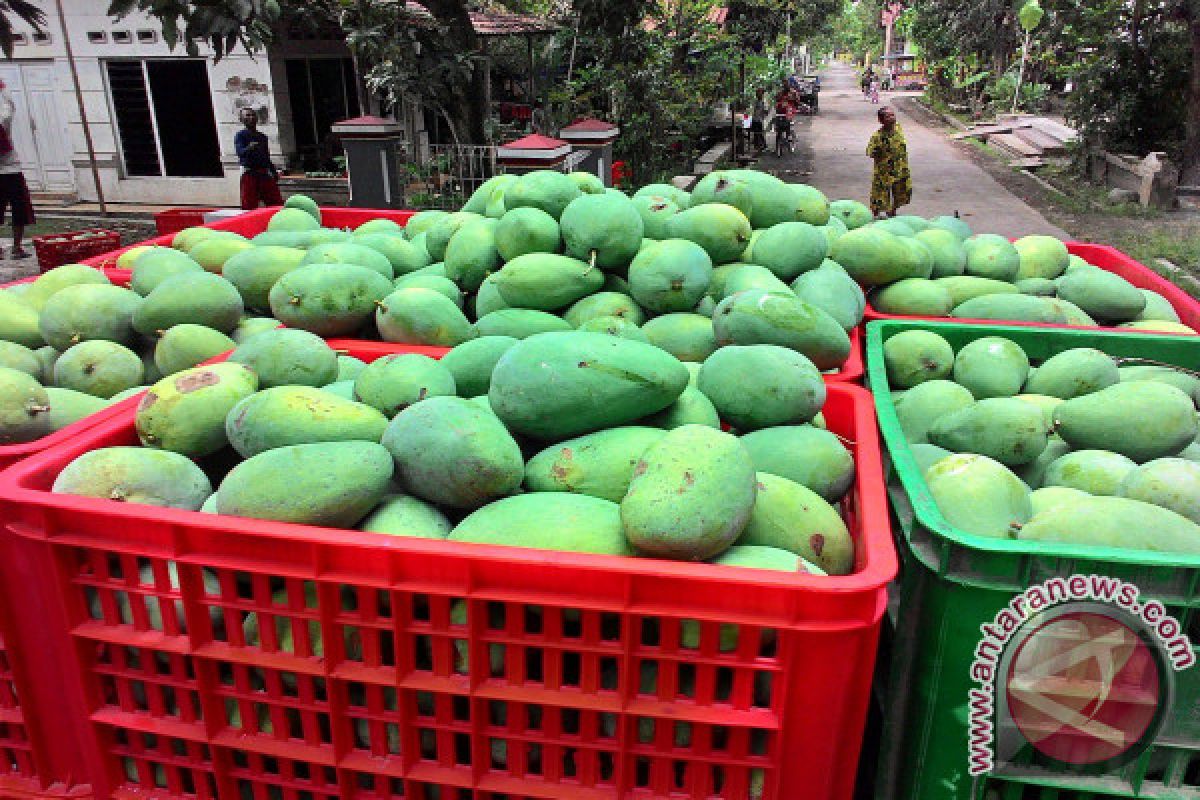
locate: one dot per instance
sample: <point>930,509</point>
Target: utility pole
<point>87,130</point>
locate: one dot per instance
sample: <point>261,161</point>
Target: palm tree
<point>23,10</point>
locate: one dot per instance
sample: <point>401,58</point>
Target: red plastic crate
<point>173,220</point>
<point>54,250</point>
<point>1107,258</point>
<point>355,685</point>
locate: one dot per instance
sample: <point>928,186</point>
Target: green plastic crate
<point>951,582</point>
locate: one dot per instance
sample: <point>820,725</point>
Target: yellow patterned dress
<point>891,186</point>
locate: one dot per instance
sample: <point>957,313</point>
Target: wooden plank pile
<point>1031,141</point>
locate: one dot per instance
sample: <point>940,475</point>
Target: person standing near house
<point>260,180</point>
<point>891,185</point>
<point>14,192</point>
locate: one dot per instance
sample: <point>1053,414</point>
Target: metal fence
<point>446,174</point>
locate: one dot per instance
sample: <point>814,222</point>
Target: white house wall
<point>228,80</point>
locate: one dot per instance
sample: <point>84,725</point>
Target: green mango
<point>656,212</point>
<point>614,326</point>
<point>672,275</point>
<point>349,368</point>
<point>992,256</point>
<point>422,221</point>
<point>253,272</point>
<point>341,389</point>
<point>329,300</point>
<point>251,326</point>
<point>287,415</point>
<point>21,358</point>
<point>471,363</point>
<point>1008,430</point>
<point>438,236</point>
<point>1189,384</point>
<point>331,484</point>
<point>200,298</point>
<point>422,316</point>
<point>913,357</point>
<point>24,408</point>
<point>433,440</point>
<point>945,248</point>
<point>692,408</point>
<point>830,288</point>
<point>874,257</point>
<point>1044,403</point>
<point>189,237</point>
<point>1171,483</point>
<point>587,182</point>
<point>487,299</point>
<point>1142,420</point>
<point>1049,497</point>
<point>304,203</point>
<point>720,229</point>
<point>688,337</point>
<point>790,249</point>
<point>1114,522</point>
<point>795,518</point>
<point>602,230</point>
<point>47,357</point>
<point>705,308</point>
<point>954,224</point>
<point>991,366</point>
<point>851,212</point>
<point>520,323</point>
<point>526,230</point>
<point>1097,472</point>
<point>98,368</point>
<point>135,475</point>
<point>547,190</point>
<point>393,383</point>
<point>729,279</point>
<point>68,406</point>
<point>1041,257</point>
<point>403,515</point>
<point>921,406</point>
<point>979,495</point>
<point>915,223</point>
<point>185,413</point>
<point>725,186</point>
<point>546,282</point>
<point>557,385</point>
<point>471,254</point>
<point>758,557</point>
<point>692,494</point>
<point>673,193</point>
<point>761,386</point>
<point>809,203</point>
<point>1157,308</point>
<point>212,253</point>
<point>604,304</point>
<point>288,357</point>
<point>760,317</point>
<point>184,346</point>
<point>350,253</point>
<point>926,455</point>
<point>292,219</point>
<point>919,297</point>
<point>404,256</point>
<point>19,321</point>
<point>478,201</point>
<point>1073,314</point>
<point>573,523</point>
<point>1160,326</point>
<point>773,201</point>
<point>598,464</point>
<point>1102,295</point>
<point>1038,287</point>
<point>1073,373</point>
<point>55,280</point>
<point>968,287</point>
<point>833,230</point>
<point>1020,307</point>
<point>90,311</point>
<point>809,456</point>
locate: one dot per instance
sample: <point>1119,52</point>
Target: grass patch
<point>1180,248</point>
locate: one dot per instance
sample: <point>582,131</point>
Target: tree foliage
<point>28,12</point>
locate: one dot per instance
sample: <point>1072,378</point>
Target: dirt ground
<point>1083,210</point>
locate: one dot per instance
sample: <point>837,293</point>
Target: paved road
<point>830,155</point>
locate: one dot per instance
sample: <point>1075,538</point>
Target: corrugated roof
<point>496,23</point>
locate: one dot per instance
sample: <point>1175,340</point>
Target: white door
<point>39,132</point>
<point>51,137</point>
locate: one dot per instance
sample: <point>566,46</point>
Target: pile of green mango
<point>912,266</point>
<point>569,440</point>
<point>1079,448</point>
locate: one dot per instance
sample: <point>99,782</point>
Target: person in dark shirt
<point>260,181</point>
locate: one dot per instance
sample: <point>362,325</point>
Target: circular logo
<point>1086,689</point>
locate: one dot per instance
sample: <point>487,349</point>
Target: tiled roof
<point>496,23</point>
